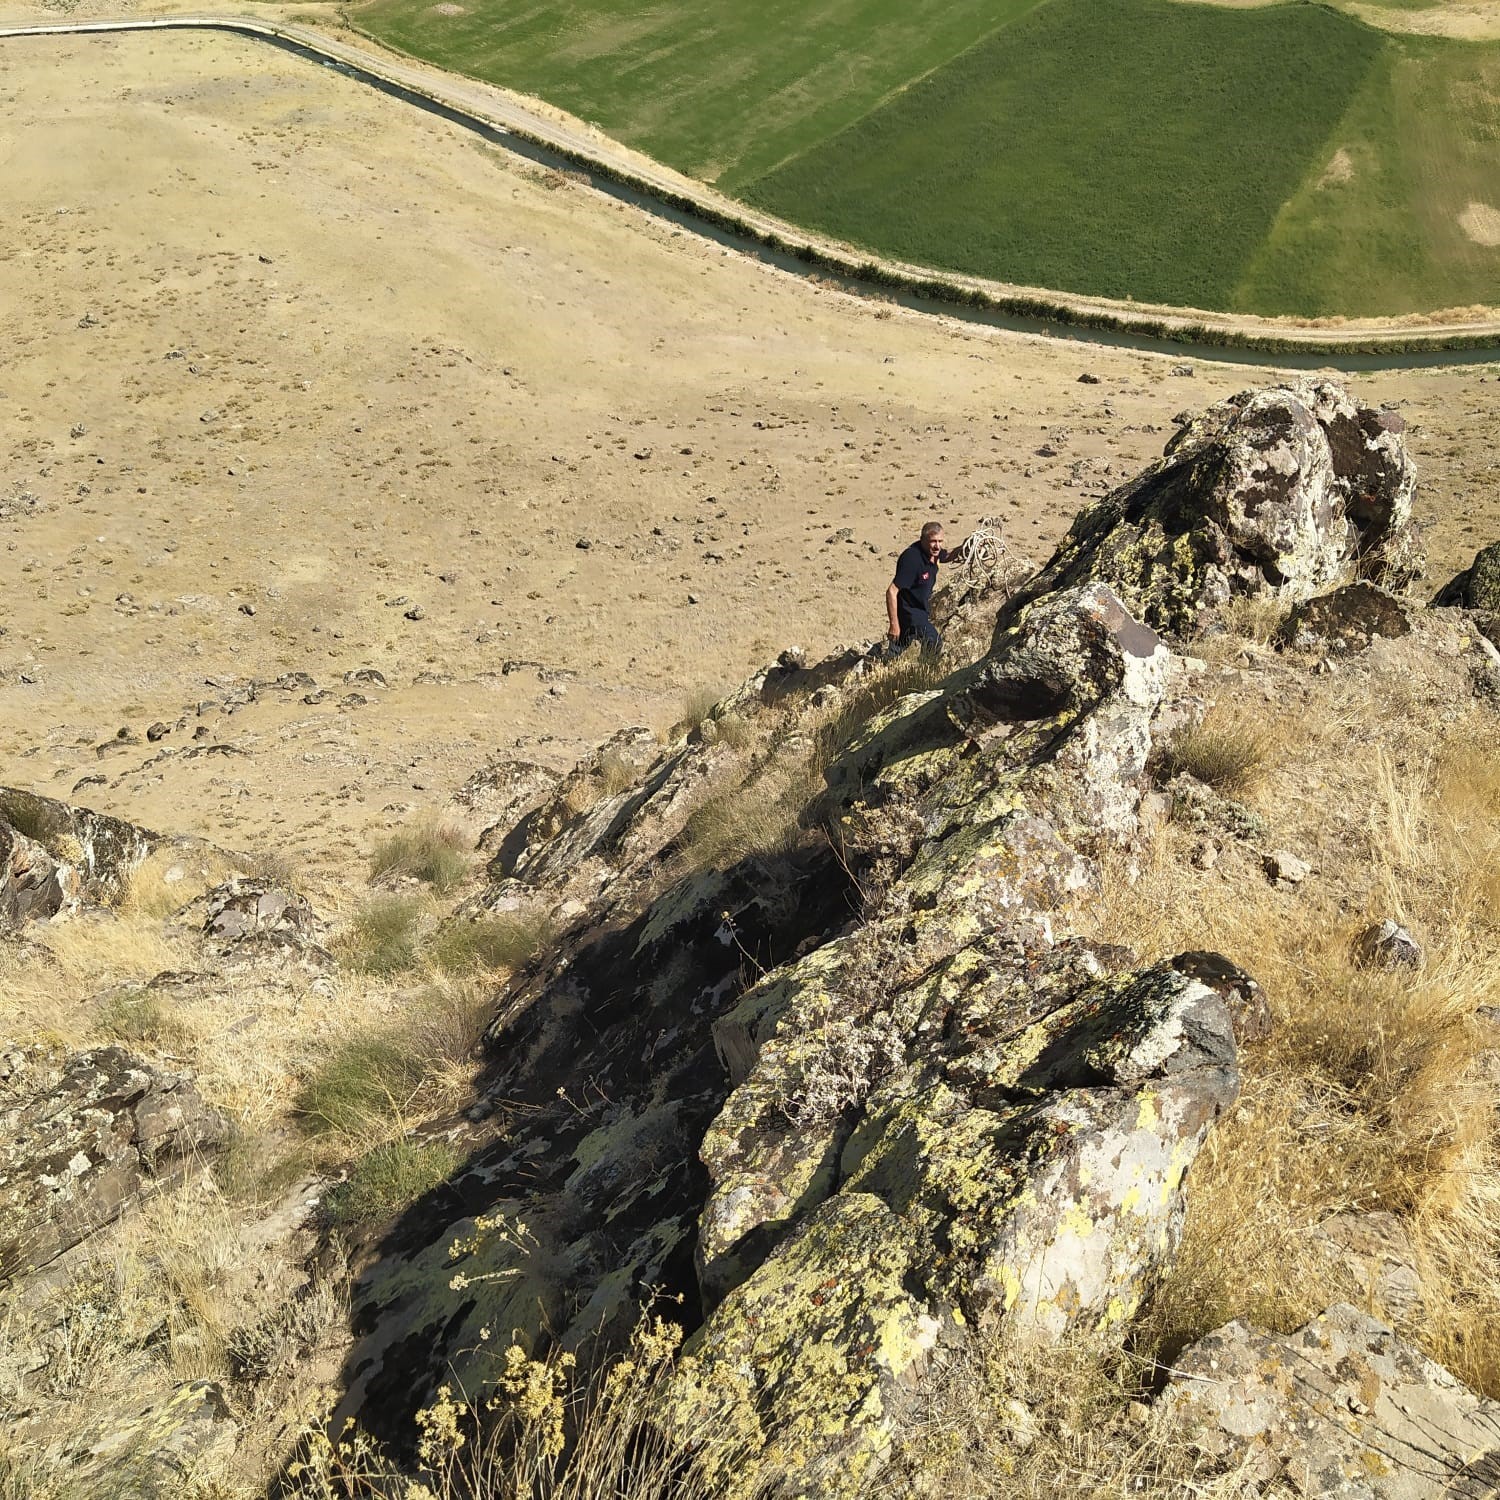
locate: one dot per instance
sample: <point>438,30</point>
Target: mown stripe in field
<point>720,89</point>
<point>1132,148</point>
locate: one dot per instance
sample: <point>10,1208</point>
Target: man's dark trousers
<point>916,629</point>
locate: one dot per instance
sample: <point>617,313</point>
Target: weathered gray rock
<point>249,919</point>
<point>1375,1254</point>
<point>1275,493</point>
<point>104,850</point>
<point>1347,619</point>
<point>33,884</point>
<point>1341,1408</point>
<point>1388,945</point>
<point>1478,586</point>
<point>81,1140</point>
<point>152,1450</point>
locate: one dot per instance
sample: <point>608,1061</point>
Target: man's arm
<point>891,595</point>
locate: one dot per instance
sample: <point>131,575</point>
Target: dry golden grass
<point>1011,1419</point>
<point>1371,1093</point>
<point>1227,751</point>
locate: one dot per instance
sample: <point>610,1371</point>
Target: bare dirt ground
<point>287,360</point>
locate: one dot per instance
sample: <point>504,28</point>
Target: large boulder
<point>1280,493</point>
<point>82,1139</point>
<point>1342,1407</point>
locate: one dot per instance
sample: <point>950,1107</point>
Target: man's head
<point>932,540</point>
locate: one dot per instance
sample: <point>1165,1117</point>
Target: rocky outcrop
<point>33,884</point>
<point>692,1106</point>
<point>1342,1407</point>
<point>1277,493</point>
<point>103,850</point>
<point>81,1139</point>
<point>848,1096</point>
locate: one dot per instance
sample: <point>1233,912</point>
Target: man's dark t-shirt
<point>915,576</point>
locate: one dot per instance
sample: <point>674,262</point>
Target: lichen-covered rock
<point>157,1451</point>
<point>1347,619</point>
<point>1276,493</point>
<point>86,1138</point>
<point>1342,1407</point>
<point>1387,945</point>
<point>1478,586</point>
<point>249,918</point>
<point>1029,1168</point>
<point>103,849</point>
<point>33,884</point>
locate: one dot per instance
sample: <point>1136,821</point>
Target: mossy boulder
<point>1279,493</point>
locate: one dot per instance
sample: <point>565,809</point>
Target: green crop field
<point>1288,158</point>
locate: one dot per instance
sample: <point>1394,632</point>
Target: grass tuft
<point>364,1085</point>
<point>1227,752</point>
<point>389,1179</point>
<point>139,1015</point>
<point>501,942</point>
<point>434,853</point>
<point>382,938</point>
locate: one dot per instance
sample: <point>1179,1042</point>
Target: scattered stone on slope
<point>1341,1407</point>
<point>81,1140</point>
<point>1347,619</point>
<point>1387,945</point>
<point>1285,869</point>
<point>1477,587</point>
<point>1275,493</point>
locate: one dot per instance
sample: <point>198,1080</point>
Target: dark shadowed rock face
<point>81,1139</point>
<point>33,883</point>
<point>1340,1407</point>
<point>1280,492</point>
<point>1347,619</point>
<point>1478,586</point>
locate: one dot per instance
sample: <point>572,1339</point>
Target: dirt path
<point>288,362</point>
<point>532,120</point>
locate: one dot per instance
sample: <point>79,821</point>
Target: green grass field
<point>1284,159</point>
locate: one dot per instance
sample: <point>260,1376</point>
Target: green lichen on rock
<point>798,1365</point>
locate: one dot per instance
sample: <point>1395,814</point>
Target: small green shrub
<point>382,938</point>
<point>366,1082</point>
<point>138,1015</point>
<point>388,1179</point>
<point>505,941</point>
<point>1228,754</point>
<point>430,852</point>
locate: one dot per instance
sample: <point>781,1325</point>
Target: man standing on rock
<point>910,594</point>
